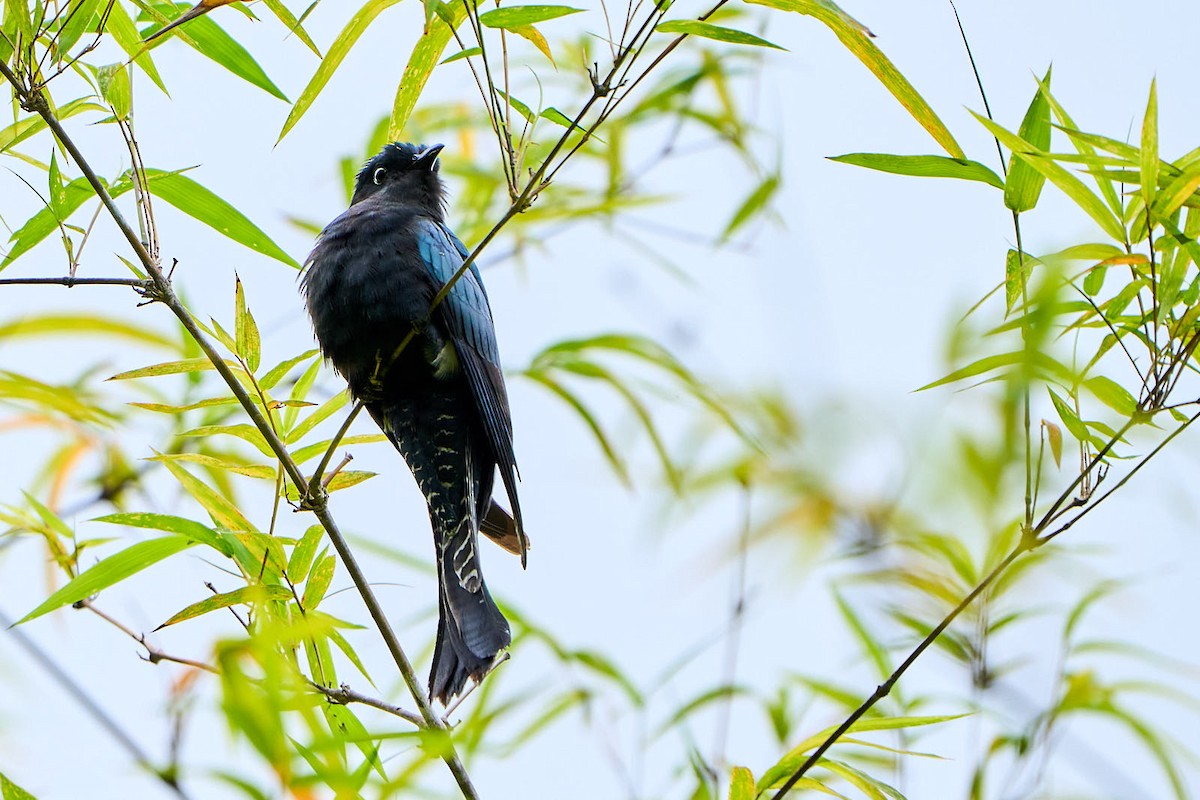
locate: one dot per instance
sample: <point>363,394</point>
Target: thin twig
<point>68,281</point>
<point>153,654</point>
<point>344,695</point>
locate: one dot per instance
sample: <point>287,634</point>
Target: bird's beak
<point>428,156</point>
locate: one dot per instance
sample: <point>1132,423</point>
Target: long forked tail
<point>471,629</point>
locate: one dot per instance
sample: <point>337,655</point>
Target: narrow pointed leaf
<point>247,595</point>
<point>223,512</point>
<point>425,55</point>
<point>110,571</point>
<point>201,204</point>
<point>210,40</point>
<point>924,166</point>
<point>516,16</point>
<point>1024,182</point>
<point>318,582</point>
<point>249,346</point>
<point>706,30</point>
<point>1149,156</point>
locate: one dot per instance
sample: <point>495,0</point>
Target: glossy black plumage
<point>441,400</point>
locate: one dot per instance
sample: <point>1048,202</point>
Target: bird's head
<point>406,173</point>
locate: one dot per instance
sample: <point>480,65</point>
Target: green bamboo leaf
<point>197,532</point>
<point>924,166</point>
<point>1093,282</point>
<point>166,408</point>
<point>1113,395</point>
<point>84,324</point>
<point>706,30</point>
<point>459,56</point>
<point>1069,418</point>
<point>116,88</point>
<point>260,471</point>
<point>110,571</point>
<point>244,431</point>
<point>303,553</point>
<point>340,641</point>
<point>1017,268</point>
<point>247,595</point>
<point>223,512</point>
<point>1149,155</point>
<point>341,47</point>
<point>10,791</point>
<point>209,39</point>
<point>425,55</point>
<point>171,368</point>
<point>125,33</point>
<point>1180,190</point>
<point>741,784</point>
<point>318,583</point>
<point>249,346</point>
<point>1024,182</point>
<point>798,754</point>
<point>277,372</point>
<point>980,367</point>
<point>1065,181</point>
<point>79,19</point>
<point>755,202</point>
<point>323,412</point>
<point>22,129</point>
<point>201,204</point>
<point>516,16</point>
<point>857,39</point>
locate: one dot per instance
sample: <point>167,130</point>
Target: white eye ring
<point>378,176</point>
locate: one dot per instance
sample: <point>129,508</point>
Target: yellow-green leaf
<point>201,204</point>
<point>247,595</point>
<point>741,784</point>
<point>425,55</point>
<point>223,512</point>
<point>303,553</point>
<point>110,571</point>
<point>706,30</point>
<point>1149,160</point>
<point>1024,182</point>
<point>516,16</point>
<point>924,166</point>
<point>249,346</point>
<point>10,791</point>
<point>318,582</point>
<point>170,368</point>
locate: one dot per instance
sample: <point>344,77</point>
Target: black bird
<point>369,282</point>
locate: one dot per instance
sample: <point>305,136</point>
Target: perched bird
<point>369,282</point>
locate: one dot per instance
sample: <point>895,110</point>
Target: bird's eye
<point>378,176</point>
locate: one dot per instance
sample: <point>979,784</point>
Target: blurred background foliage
<point>1080,368</point>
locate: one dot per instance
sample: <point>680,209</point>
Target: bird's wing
<point>468,317</point>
